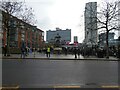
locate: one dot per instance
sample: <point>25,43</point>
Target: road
<point>46,73</point>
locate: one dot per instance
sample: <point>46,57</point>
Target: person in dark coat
<point>23,50</point>
<point>75,52</point>
<point>78,52</point>
<point>5,50</point>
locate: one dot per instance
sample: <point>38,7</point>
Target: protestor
<point>48,52</point>
<point>23,50</point>
<point>78,52</point>
<point>5,50</point>
<point>75,52</point>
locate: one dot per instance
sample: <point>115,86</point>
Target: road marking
<point>66,86</point>
<point>110,86</point>
<point>10,87</point>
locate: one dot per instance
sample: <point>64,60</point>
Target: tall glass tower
<point>91,23</point>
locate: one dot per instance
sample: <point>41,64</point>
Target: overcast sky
<point>60,13</point>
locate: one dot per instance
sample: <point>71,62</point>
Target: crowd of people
<point>86,51</point>
<point>25,51</point>
<point>99,52</point>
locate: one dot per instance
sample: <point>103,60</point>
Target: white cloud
<point>61,13</point>
<point>67,14</point>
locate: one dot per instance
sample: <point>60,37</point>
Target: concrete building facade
<point>119,18</point>
<point>64,34</point>
<point>90,16</point>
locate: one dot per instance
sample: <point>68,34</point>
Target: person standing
<point>23,50</point>
<point>30,50</point>
<point>34,50</point>
<point>78,52</point>
<point>48,52</point>
<point>75,52</point>
<point>5,50</point>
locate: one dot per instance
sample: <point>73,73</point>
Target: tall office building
<point>64,34</point>
<point>91,23</point>
<point>1,32</point>
<point>119,18</point>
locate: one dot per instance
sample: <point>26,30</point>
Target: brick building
<point>21,32</point>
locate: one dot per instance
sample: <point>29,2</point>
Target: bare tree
<point>9,8</point>
<point>14,7</point>
<point>107,20</point>
<point>27,15</point>
<point>20,10</point>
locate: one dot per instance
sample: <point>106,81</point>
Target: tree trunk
<point>107,45</point>
<point>8,34</point>
<point>8,43</point>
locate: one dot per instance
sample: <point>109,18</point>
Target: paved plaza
<point>37,55</point>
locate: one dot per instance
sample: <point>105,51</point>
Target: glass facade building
<point>91,35</point>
